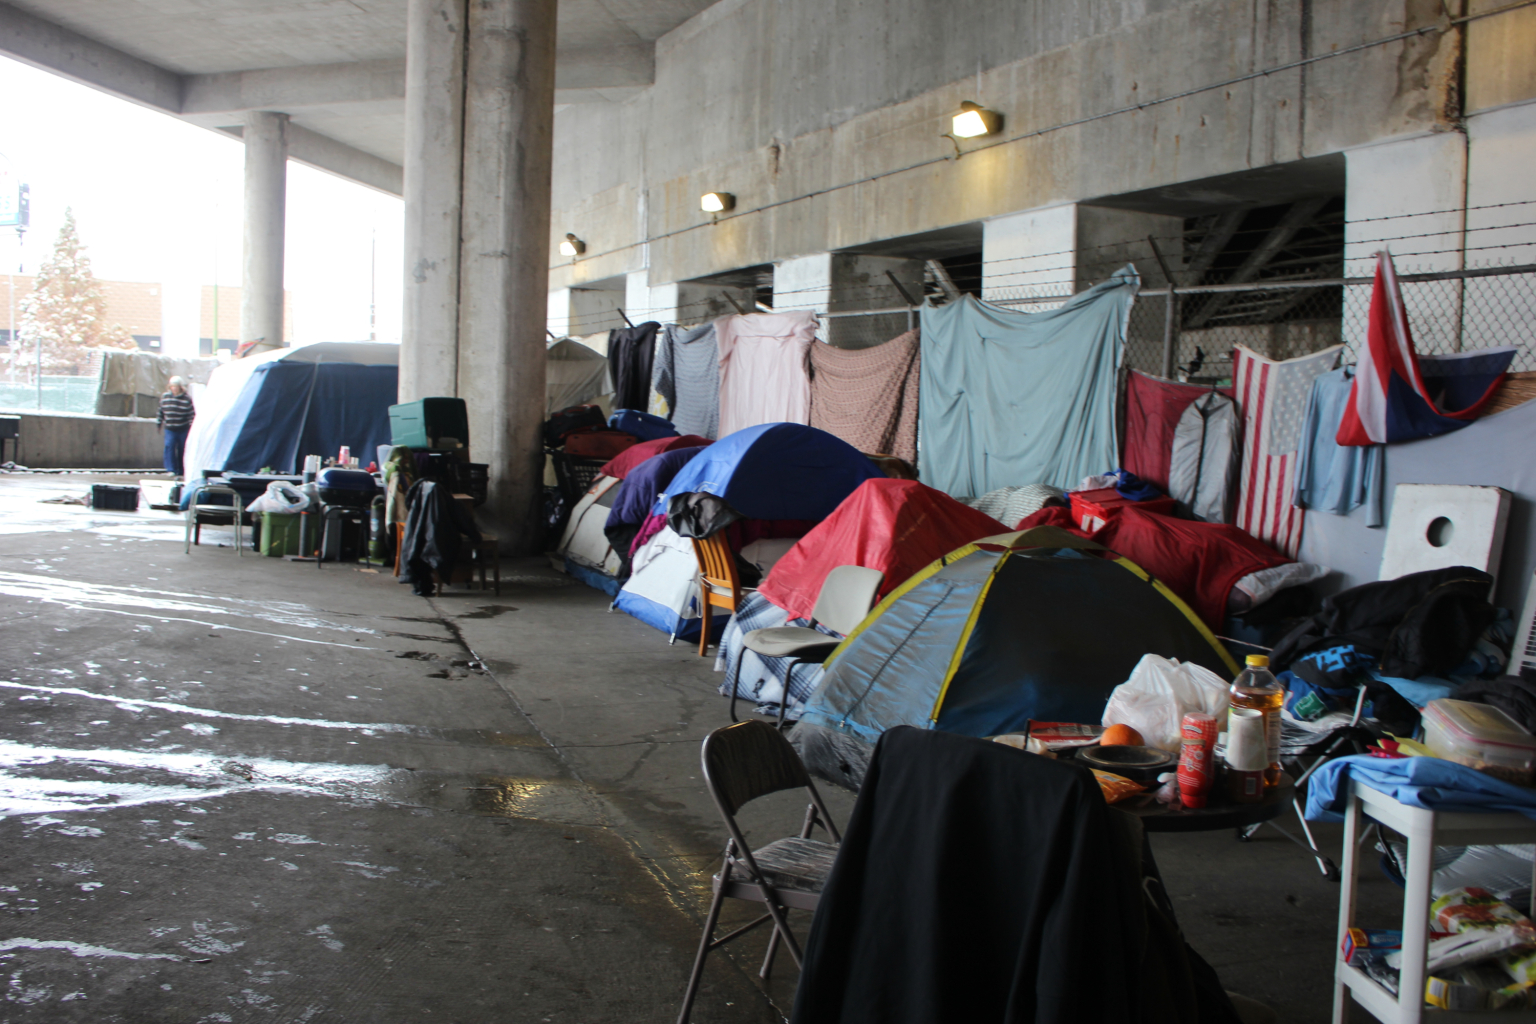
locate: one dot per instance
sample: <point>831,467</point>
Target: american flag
<point>1273,399</point>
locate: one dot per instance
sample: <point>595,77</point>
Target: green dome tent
<point>1037,625</point>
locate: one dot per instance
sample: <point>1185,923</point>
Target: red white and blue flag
<point>1272,398</point>
<point>1399,395</point>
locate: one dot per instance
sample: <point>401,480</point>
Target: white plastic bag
<point>280,496</point>
<point>1160,692</point>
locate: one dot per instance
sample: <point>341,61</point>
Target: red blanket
<point>1198,561</point>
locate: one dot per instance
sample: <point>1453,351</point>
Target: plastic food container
<point>1480,736</point>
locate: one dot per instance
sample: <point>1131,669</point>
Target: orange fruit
<point>1121,736</point>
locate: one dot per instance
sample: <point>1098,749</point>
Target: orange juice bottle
<point>1257,688</point>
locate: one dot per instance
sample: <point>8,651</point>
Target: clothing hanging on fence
<point>762,368</point>
<point>1206,457</point>
<point>1152,410</point>
<point>687,376</point>
<point>631,351</point>
<point>1272,398</point>
<point>1012,398</point>
<point>868,396</point>
<point>1399,395</point>
<point>1331,477</point>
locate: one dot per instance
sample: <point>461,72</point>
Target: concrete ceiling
<point>337,67</point>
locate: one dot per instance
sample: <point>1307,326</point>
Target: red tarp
<point>1198,561</point>
<point>1152,410</point>
<point>620,465</point>
<point>896,526</point>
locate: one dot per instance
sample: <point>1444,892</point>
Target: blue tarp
<point>1011,398</point>
<point>775,471</point>
<point>1428,782</point>
<point>290,409</point>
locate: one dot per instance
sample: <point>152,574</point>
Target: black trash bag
<point>699,514</point>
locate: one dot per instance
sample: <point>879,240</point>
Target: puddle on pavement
<point>556,800</point>
<point>28,782</point>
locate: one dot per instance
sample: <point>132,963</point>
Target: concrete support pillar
<point>509,96</point>
<point>266,195</point>
<point>434,143</point>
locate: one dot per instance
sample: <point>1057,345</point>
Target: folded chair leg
<point>789,674</point>
<point>773,949</point>
<point>781,924</point>
<point>705,944</point>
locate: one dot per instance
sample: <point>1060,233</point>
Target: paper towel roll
<point>1247,749</point>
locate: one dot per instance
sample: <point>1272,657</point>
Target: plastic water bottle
<point>1257,688</point>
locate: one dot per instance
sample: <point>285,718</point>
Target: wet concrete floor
<point>235,788</point>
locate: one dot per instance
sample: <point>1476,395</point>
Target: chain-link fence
<point>1448,311</point>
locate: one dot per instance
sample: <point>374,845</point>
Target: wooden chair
<point>719,586</point>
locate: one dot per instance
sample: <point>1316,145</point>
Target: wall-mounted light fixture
<point>572,246</point>
<point>717,202</point>
<point>975,120</point>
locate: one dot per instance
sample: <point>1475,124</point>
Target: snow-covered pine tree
<point>66,310</point>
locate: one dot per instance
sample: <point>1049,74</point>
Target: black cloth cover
<point>699,514</point>
<point>1513,695</point>
<point>631,351</point>
<point>976,882</point>
<point>1424,623</point>
<point>435,528</point>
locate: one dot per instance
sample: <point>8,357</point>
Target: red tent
<point>896,526</point>
<point>629,458</point>
<point>1198,561</point>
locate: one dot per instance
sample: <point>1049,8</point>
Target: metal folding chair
<point>1340,739</point>
<point>201,511</point>
<point>844,599</point>
<point>741,763</point>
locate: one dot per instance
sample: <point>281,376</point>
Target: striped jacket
<point>176,412</point>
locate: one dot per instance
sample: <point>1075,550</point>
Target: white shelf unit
<point>1424,830</point>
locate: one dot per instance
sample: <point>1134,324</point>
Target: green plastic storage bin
<point>426,421</point>
<point>280,534</point>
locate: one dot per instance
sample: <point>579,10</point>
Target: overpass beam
<point>480,91</point>
<point>266,195</point>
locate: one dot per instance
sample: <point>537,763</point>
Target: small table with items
<point>1423,829</point>
<point>1218,813</point>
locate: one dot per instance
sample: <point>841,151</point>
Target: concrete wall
<point>66,441</point>
<point>824,117</point>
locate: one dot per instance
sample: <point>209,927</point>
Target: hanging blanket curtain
<point>762,369</point>
<point>1400,395</point>
<point>868,396</point>
<point>630,353</point>
<point>1272,397</point>
<point>1012,398</point>
<point>687,376</point>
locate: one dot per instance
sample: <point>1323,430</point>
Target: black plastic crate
<point>473,479</point>
<point>115,497</point>
<point>575,474</point>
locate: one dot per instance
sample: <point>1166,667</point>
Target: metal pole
<point>1170,304</point>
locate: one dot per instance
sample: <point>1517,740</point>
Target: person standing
<point>175,419</point>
